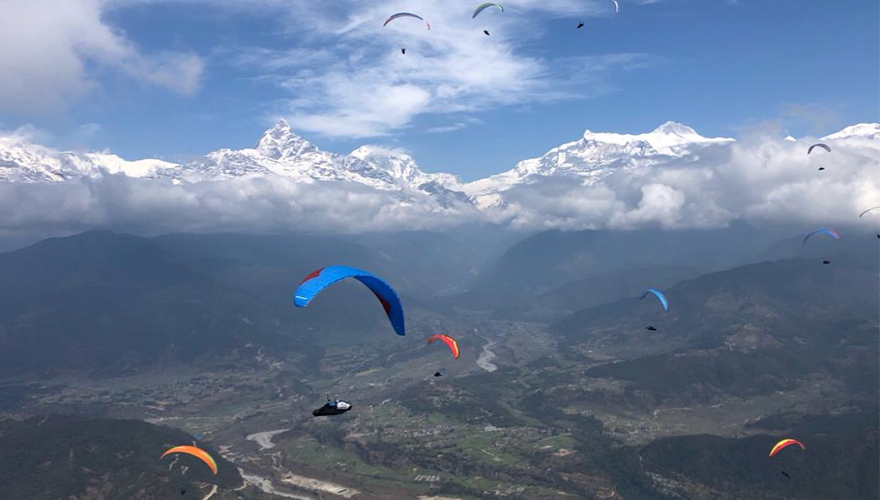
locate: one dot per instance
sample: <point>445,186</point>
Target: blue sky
<point>176,78</point>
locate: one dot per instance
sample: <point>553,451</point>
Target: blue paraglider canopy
<point>659,296</point>
<point>317,281</point>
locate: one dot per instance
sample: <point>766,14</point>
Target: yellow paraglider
<point>785,443</point>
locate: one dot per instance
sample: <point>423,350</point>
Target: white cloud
<point>273,204</point>
<point>51,48</point>
<point>765,179</point>
<point>446,128</point>
<point>348,77</point>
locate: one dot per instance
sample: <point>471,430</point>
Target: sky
<point>174,79</point>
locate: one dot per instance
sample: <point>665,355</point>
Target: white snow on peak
<point>280,142</point>
<point>663,140</point>
<point>22,161</point>
<point>595,156</point>
<point>869,131</point>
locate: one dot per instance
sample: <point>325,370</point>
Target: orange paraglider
<point>449,341</point>
<point>785,443</point>
<point>196,452</point>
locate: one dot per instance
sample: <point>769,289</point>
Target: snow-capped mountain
<point>282,152</point>
<point>21,161</point>
<point>870,131</point>
<point>593,159</point>
<point>595,156</point>
<point>279,151</point>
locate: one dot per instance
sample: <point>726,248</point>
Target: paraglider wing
<point>317,281</point>
<point>866,211</point>
<point>484,6</point>
<point>196,452</point>
<point>819,145</point>
<point>659,295</point>
<point>829,232</point>
<point>785,443</point>
<point>449,341</point>
<point>406,14</point>
<point>616,7</point>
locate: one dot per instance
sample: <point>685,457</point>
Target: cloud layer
<point>265,204</point>
<point>762,180</point>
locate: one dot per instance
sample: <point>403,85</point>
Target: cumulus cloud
<point>262,204</point>
<point>764,179</point>
<point>51,49</point>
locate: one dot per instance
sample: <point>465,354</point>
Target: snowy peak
<point>600,154</point>
<point>860,131</point>
<point>675,128</point>
<point>22,161</point>
<point>280,142</point>
<point>396,163</point>
<point>368,151</point>
<point>404,170</point>
<point>595,158</point>
<point>662,140</point>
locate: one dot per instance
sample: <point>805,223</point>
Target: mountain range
<point>591,159</point>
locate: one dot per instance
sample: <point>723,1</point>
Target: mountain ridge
<point>281,151</point>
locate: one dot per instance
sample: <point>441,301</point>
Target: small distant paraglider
<point>483,6</point>
<point>663,301</point>
<point>332,407</point>
<point>819,145</point>
<point>403,51</point>
<point>786,474</point>
<point>318,280</point>
<point>660,296</point>
<point>580,25</point>
<point>486,32</point>
<point>406,14</point>
<point>868,210</point>
<point>196,452</point>
<point>450,343</point>
<point>785,443</point>
<point>616,7</point>
<point>829,232</point>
